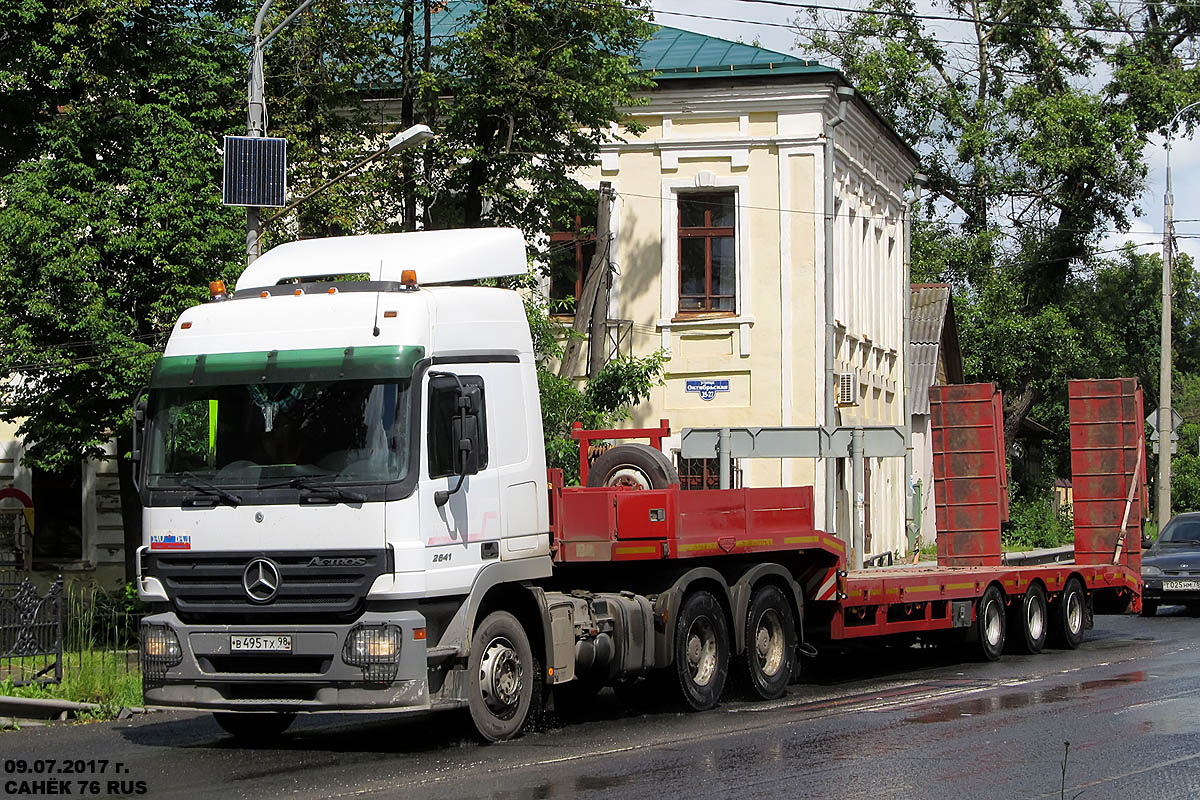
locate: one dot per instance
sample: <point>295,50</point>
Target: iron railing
<point>31,632</point>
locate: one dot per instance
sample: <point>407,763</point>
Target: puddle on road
<point>1013,700</point>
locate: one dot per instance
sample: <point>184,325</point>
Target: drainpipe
<point>911,500</point>
<point>844,95</point>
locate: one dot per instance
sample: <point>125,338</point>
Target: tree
<point>1031,121</point>
<point>109,218</point>
<point>319,71</point>
<point>602,402</point>
<point>533,87</point>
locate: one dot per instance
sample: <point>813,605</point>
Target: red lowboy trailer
<point>664,542</point>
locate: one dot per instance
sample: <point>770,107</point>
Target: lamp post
<point>1164,374</point>
<point>256,108</point>
<point>410,137</point>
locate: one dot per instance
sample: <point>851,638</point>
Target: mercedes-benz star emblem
<point>261,580</point>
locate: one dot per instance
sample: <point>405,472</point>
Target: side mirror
<point>466,430</point>
<point>469,455</point>
<point>1146,542</point>
<point>139,435</point>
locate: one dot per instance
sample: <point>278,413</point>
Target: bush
<point>1033,524</point>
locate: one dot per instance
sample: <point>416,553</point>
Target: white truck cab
<point>333,455</point>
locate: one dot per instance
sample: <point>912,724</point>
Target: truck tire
<point>635,465</point>
<point>1149,608</point>
<point>500,673</point>
<point>1028,621</point>
<point>255,725</point>
<point>701,662</point>
<point>990,628</point>
<point>770,655</point>
<point>1068,616</point>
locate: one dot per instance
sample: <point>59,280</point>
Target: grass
<point>99,654</point>
<point>89,676</point>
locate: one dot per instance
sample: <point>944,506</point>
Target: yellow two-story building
<point>718,238</point>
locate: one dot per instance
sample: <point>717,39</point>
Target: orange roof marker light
<point>216,291</point>
<point>408,278</point>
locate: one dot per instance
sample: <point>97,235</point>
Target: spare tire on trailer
<point>638,466</point>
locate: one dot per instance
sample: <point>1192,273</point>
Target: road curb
<point>29,709</point>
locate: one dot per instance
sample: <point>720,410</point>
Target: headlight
<point>1149,571</point>
<point>160,651</point>
<point>375,648</point>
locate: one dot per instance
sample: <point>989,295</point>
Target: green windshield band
<point>382,363</point>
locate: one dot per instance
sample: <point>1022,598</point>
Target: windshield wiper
<point>318,485</point>
<point>204,487</point>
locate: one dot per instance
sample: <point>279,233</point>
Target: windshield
<point>248,420</point>
<point>1181,530</point>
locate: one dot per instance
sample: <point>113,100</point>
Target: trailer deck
<point>885,601</point>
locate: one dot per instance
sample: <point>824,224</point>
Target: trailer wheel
<point>701,651</point>
<point>990,624</point>
<point>255,725</point>
<point>1029,621</point>
<point>1069,616</point>
<point>770,642</point>
<point>1149,608</point>
<point>500,672</point>
<point>638,466</point>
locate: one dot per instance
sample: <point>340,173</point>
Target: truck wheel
<point>255,725</point>
<point>638,466</point>
<point>1029,621</point>
<point>1149,608</point>
<point>701,651</point>
<point>501,675</point>
<point>1068,617</point>
<point>770,654</point>
<point>990,624</point>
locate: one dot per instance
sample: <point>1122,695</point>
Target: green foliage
<point>111,118</point>
<point>316,72</point>
<point>1185,470</point>
<point>1033,137</point>
<point>109,218</point>
<point>602,402</point>
<point>1033,524</point>
<point>535,86</point>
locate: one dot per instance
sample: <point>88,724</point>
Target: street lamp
<point>256,108</point>
<point>1164,374</point>
<point>410,137</point>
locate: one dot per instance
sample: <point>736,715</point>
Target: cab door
<point>461,525</point>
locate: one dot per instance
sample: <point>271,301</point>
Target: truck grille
<point>210,585</point>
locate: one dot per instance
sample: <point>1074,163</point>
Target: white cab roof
<point>446,256</point>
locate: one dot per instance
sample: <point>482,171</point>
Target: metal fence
<point>31,632</point>
<point>68,633</point>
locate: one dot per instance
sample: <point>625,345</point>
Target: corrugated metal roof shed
<point>932,315</point>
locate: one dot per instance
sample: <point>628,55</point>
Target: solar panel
<point>255,171</point>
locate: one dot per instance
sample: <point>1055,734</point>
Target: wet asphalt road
<point>880,724</point>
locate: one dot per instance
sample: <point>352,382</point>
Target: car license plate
<point>275,644</point>
<point>1181,586</point>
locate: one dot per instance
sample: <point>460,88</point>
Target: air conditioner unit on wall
<point>847,389</point>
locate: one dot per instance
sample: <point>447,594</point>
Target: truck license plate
<point>276,644</point>
<point>1181,586</point>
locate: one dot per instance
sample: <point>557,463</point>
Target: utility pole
<point>406,117</point>
<point>593,295</point>
<point>1164,371</point>
<point>1165,426</point>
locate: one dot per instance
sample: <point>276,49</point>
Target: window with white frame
<point>707,251</point>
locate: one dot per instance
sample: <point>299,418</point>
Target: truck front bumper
<point>203,671</point>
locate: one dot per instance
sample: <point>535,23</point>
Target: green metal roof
<point>671,52</point>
